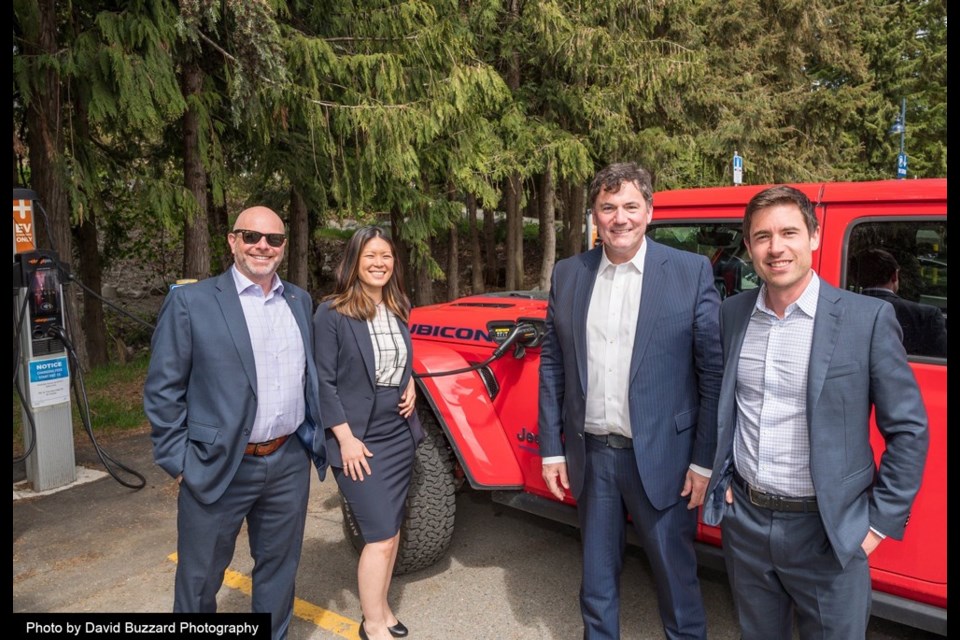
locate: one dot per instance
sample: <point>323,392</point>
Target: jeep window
<point>722,243</point>
<point>920,249</point>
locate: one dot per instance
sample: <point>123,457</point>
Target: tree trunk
<point>453,264</point>
<point>403,253</point>
<point>423,294</point>
<point>492,276</point>
<point>91,275</point>
<point>17,156</point>
<point>298,242</point>
<point>514,249</point>
<point>476,260</point>
<point>514,233</point>
<point>46,156</point>
<point>548,230</point>
<point>576,212</point>
<point>196,234</point>
<point>219,225</point>
<point>90,265</point>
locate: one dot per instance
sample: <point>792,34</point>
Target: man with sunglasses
<point>232,398</point>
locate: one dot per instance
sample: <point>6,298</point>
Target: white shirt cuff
<point>701,470</point>
<point>554,459</point>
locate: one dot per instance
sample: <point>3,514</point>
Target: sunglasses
<point>253,237</point>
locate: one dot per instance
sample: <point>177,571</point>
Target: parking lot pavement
<point>100,547</point>
<point>97,546</point>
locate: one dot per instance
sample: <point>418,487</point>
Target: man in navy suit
<point>924,331</point>
<point>232,397</point>
<point>794,480</point>
<point>629,381</point>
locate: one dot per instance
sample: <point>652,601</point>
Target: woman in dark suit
<point>367,394</point>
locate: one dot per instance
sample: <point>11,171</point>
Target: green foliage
<point>370,106</point>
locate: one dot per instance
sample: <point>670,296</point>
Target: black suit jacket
<point>924,331</point>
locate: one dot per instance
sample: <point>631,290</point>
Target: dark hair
<point>612,177</point>
<point>780,194</point>
<point>349,298</point>
<point>875,267</point>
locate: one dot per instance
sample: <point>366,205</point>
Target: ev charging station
<point>43,368</point>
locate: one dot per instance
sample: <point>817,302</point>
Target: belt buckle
<point>617,441</point>
<point>761,499</point>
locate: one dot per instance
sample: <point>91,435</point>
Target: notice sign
<point>49,382</point>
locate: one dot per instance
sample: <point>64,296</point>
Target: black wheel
<point>431,503</point>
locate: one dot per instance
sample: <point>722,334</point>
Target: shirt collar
<point>636,260</point>
<point>243,283</point>
<point>807,302</point>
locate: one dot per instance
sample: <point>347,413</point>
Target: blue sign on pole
<point>901,166</point>
<point>737,169</point>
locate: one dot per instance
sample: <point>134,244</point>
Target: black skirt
<point>378,501</point>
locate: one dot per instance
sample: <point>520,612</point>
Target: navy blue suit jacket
<point>344,352</point>
<point>924,331</point>
<point>675,368</point>
<point>857,362</point>
<point>200,394</point>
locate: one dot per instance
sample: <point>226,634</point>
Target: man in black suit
<point>924,331</point>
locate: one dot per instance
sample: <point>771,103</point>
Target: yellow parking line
<point>323,618</point>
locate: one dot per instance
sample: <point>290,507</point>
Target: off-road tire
<point>431,505</point>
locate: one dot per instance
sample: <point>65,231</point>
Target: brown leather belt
<point>776,503</point>
<point>265,448</point>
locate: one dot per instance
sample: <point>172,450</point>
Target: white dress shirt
<point>611,327</point>
<point>771,445</point>
<point>389,348</point>
<point>279,355</point>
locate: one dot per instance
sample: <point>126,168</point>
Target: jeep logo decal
<point>528,437</point>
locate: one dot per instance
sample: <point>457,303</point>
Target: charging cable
<point>522,335</point>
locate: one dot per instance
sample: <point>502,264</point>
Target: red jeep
<point>477,360</point>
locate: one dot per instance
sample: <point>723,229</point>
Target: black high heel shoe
<point>398,630</point>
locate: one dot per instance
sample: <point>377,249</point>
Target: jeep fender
<point>468,419</point>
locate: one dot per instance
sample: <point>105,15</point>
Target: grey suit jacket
<point>675,368</point>
<point>857,362</point>
<point>343,350</point>
<point>200,394</point>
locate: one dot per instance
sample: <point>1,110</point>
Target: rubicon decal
<point>456,333</point>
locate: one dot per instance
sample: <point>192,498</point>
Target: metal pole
<point>903,122</point>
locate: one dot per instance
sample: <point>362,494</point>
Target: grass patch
<point>115,397</point>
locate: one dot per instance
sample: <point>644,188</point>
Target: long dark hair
<point>349,298</point>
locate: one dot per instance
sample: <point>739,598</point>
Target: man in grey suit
<point>232,398</point>
<point>629,381</point>
<point>802,502</point>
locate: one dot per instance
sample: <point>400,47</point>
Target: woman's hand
<point>353,452</point>
<point>408,399</point>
